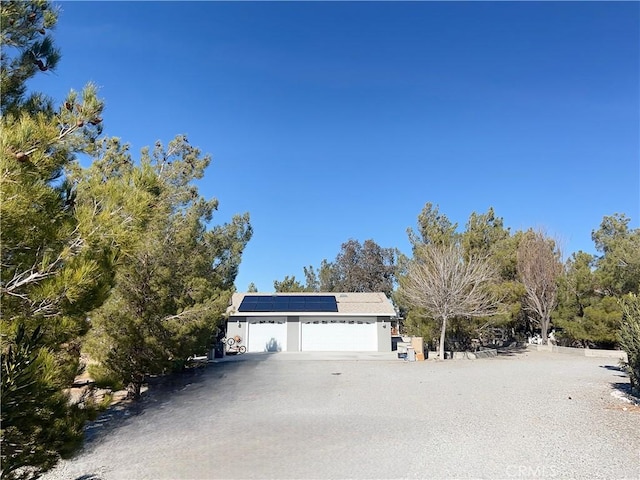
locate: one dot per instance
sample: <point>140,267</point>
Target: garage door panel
<point>267,337</point>
<point>339,336</point>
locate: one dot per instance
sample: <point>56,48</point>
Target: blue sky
<point>330,120</point>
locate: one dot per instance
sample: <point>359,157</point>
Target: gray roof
<point>349,304</point>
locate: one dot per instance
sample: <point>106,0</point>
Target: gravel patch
<point>531,415</point>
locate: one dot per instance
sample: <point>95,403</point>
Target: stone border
<point>582,352</point>
<point>485,353</point>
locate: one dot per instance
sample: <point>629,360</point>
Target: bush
<point>630,338</point>
<point>104,378</point>
<point>105,402</point>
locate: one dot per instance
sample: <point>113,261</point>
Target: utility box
<point>402,350</point>
<point>418,344</point>
<point>411,354</point>
<point>217,351</point>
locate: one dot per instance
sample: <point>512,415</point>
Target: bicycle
<point>233,345</point>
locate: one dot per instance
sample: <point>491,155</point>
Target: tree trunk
<point>442,335</point>
<point>135,387</point>
<point>544,330</point>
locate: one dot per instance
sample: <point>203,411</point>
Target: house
<point>312,322</point>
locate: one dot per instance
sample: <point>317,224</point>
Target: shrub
<point>630,338</point>
<point>104,378</point>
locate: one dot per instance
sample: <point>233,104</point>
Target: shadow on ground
<point>511,350</point>
<point>161,390</point>
<point>623,387</point>
<point>613,367</point>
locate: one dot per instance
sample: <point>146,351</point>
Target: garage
<point>311,321</point>
<point>267,335</point>
<point>339,335</point>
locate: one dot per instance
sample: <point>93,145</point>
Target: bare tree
<point>444,284</point>
<point>539,267</point>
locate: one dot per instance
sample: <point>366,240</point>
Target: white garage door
<point>267,336</point>
<point>343,335</point>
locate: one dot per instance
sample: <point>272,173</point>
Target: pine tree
<point>39,425</point>
<point>629,336</point>
<point>589,309</point>
<point>174,277</point>
<point>27,49</point>
<point>51,273</point>
<point>72,238</point>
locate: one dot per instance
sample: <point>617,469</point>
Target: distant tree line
<point>358,267</point>
<point>525,281</point>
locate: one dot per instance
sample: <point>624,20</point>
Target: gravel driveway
<point>530,415</point>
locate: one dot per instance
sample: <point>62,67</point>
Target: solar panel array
<point>288,303</point>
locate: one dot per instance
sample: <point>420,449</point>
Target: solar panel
<point>288,303</point>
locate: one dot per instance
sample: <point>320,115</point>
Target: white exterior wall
<point>235,327</point>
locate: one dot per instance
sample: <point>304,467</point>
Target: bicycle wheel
<point>230,341</point>
<point>242,349</point>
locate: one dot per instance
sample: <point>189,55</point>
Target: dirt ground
<point>528,415</point>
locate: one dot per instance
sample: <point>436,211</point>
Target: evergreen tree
<point>433,228</point>
<point>365,267</point>
<point>174,277</point>
<point>53,267</point>
<point>589,309</point>
<point>69,235</point>
<point>629,337</point>
<point>27,49</point>
<point>288,284</point>
<point>486,236</point>
<point>328,277</point>
<point>618,266</point>
<point>312,283</point>
<point>584,315</point>
<point>38,424</point>
<point>483,232</point>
